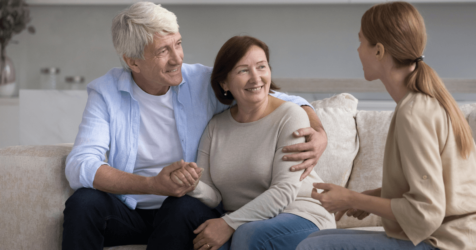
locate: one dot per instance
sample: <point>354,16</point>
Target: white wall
<point>310,41</point>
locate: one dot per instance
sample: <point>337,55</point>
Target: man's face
<point>161,67</point>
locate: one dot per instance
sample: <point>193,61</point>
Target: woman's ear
<point>224,86</point>
<point>379,51</point>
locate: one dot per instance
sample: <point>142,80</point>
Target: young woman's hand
<point>357,213</point>
<point>334,198</point>
<point>212,234</point>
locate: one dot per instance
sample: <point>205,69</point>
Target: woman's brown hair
<point>230,53</point>
<point>400,28</point>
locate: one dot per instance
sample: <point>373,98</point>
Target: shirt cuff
<point>88,173</point>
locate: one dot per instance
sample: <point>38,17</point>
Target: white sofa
<point>33,187</point>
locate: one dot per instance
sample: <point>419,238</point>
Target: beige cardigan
<point>431,187</point>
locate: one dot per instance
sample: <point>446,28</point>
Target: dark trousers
<point>94,219</point>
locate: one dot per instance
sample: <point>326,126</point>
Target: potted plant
<point>14,15</point>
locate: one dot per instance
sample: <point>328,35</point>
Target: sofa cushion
<point>337,116</point>
<point>34,190</point>
<point>469,111</point>
<point>372,129</point>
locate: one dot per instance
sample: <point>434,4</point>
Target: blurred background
<point>313,46</point>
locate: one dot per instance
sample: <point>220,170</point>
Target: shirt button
<point>425,177</point>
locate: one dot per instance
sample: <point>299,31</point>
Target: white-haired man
<point>147,117</point>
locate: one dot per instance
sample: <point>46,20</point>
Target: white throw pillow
<point>337,116</point>
<point>469,111</point>
<point>372,129</point>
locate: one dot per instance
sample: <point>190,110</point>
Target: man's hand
<point>162,183</point>
<point>212,234</point>
<point>189,175</point>
<point>308,152</point>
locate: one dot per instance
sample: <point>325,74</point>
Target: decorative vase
<point>7,78</point>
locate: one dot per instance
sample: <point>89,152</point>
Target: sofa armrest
<point>33,190</point>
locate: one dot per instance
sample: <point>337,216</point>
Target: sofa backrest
<point>371,128</point>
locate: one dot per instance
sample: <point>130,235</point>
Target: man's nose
<point>175,57</point>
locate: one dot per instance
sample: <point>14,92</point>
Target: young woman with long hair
<point>428,198</point>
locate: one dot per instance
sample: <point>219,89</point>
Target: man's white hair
<point>135,27</point>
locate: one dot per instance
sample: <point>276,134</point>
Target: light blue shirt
<point>111,123</point>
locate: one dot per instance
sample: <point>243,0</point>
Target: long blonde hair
<point>400,28</point>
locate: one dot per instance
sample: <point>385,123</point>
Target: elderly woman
<point>427,199</point>
<point>267,206</point>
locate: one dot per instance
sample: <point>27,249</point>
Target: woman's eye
<point>243,71</point>
<point>262,67</point>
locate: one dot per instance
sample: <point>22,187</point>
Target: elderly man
<point>147,117</point>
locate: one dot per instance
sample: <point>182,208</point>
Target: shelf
<point>9,101</point>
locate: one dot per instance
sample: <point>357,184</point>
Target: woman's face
<point>250,79</point>
<point>368,58</point>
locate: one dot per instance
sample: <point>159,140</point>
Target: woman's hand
<point>334,198</point>
<point>212,234</point>
<point>357,213</point>
<point>188,175</point>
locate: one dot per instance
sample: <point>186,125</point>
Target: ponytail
<point>425,80</point>
<point>401,29</point>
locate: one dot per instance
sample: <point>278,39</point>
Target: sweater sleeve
<point>206,191</point>
<point>421,210</point>
<point>285,184</point>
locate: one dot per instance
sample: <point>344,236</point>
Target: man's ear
<point>379,51</point>
<point>132,63</point>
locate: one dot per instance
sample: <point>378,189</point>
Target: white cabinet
<point>9,122</point>
<point>224,2</point>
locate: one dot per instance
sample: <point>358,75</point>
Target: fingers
<point>200,244</point>
<point>301,156</point>
<point>304,132</point>
<point>340,214</point>
<point>200,228</point>
<point>306,173</point>
<point>300,147</point>
<point>174,166</point>
<point>176,180</point>
<point>316,195</point>
<point>323,186</point>
<point>189,174</point>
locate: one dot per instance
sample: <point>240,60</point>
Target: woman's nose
<point>255,75</point>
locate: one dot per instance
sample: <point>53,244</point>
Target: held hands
<point>309,152</point>
<point>162,183</point>
<point>212,234</point>
<point>188,175</point>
